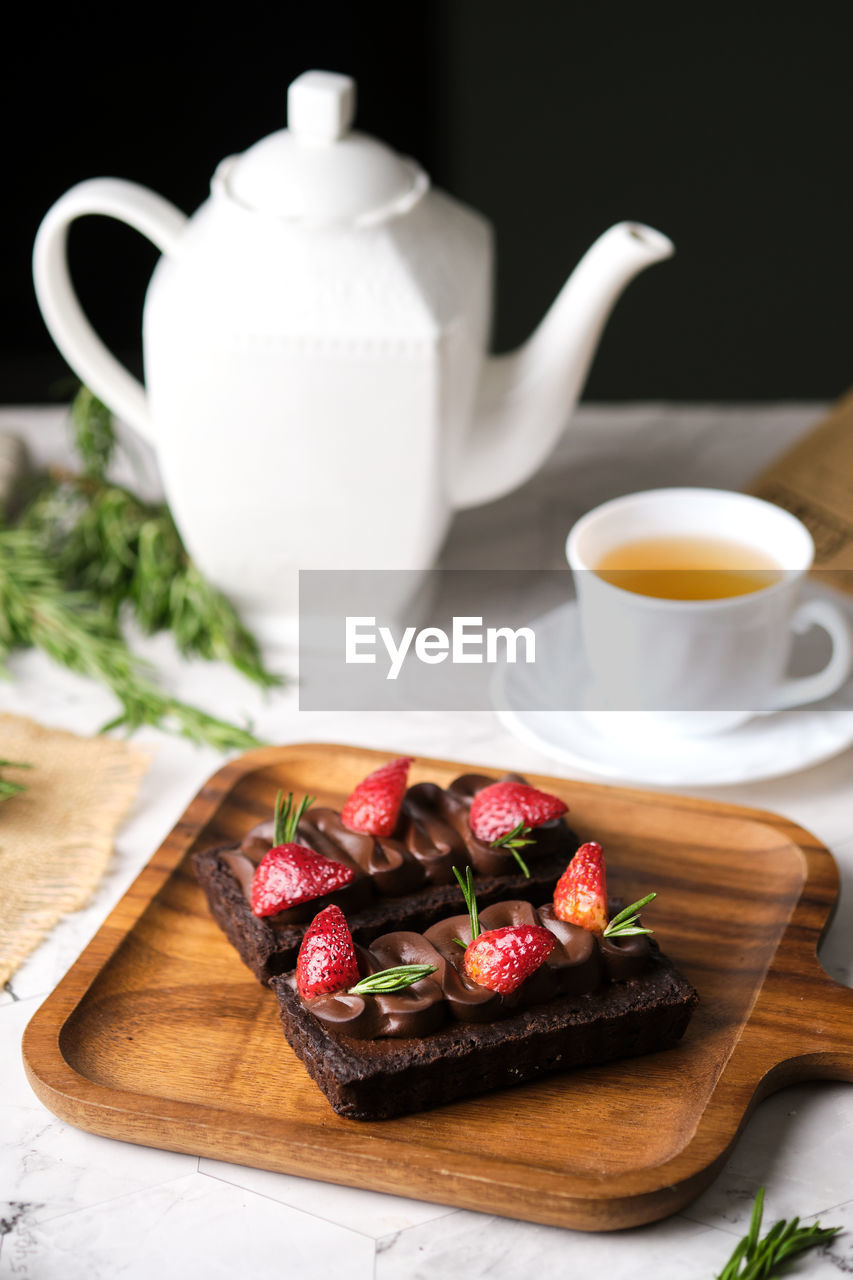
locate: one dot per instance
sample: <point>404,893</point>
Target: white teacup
<point>706,665</point>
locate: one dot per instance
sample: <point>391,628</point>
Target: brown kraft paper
<point>814,481</point>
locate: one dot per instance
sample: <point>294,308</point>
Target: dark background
<point>728,129</point>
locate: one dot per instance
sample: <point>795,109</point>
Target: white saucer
<point>764,747</point>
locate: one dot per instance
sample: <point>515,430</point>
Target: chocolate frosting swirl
<point>432,836</point>
<point>624,957</point>
<point>415,1011</point>
<point>580,963</point>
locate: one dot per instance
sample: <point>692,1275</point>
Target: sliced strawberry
<point>375,803</point>
<point>497,809</point>
<point>293,873</point>
<point>581,893</point>
<point>500,959</point>
<point>327,960</point>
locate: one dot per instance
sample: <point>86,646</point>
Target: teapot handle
<point>147,213</point>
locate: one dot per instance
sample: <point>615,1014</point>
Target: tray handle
<point>819,1018</point>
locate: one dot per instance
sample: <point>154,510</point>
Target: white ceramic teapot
<point>317,387</point>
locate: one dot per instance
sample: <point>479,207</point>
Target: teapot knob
<point>320,106</point>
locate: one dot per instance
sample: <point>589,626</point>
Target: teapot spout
<point>525,397</point>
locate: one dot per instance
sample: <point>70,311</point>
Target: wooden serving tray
<point>158,1034</point>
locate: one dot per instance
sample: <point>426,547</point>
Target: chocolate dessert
<point>591,1000</point>
<point>402,881</point>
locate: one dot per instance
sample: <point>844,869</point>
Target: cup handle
<point>796,691</point>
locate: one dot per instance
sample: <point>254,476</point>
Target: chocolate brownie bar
<point>404,882</point>
<point>593,1000</point>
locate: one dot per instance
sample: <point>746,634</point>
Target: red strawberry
<point>293,873</point>
<point>581,893</point>
<point>375,803</point>
<point>500,959</point>
<point>327,960</point>
<point>500,808</point>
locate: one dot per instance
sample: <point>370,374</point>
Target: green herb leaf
<point>395,979</point>
<point>521,862</point>
<point>287,818</point>
<point>754,1258</point>
<point>73,627</point>
<point>93,432</point>
<point>103,539</point>
<point>625,924</point>
<point>82,554</point>
<point>467,887</point>
<point>512,841</point>
<point>8,788</point>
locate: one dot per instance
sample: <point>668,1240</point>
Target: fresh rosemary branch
<point>395,979</point>
<point>104,539</point>
<point>94,434</point>
<point>8,788</point>
<point>74,628</point>
<point>760,1259</point>
<point>85,552</point>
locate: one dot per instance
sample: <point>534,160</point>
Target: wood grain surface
<point>158,1034</point>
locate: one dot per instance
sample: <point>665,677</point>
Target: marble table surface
<point>80,1206</point>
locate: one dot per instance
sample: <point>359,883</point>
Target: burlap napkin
<point>57,836</point>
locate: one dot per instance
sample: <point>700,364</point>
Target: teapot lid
<point>317,171</point>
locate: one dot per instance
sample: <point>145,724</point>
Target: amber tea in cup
<point>700,638</point>
<point>688,568</point>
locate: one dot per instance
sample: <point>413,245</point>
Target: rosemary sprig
<point>287,818</point>
<point>93,432</point>
<point>467,887</point>
<point>625,924</point>
<point>85,552</point>
<point>204,624</point>
<point>394,979</point>
<point>512,841</point>
<point>73,628</point>
<point>104,539</point>
<point>8,788</point>
<point>759,1259</point>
